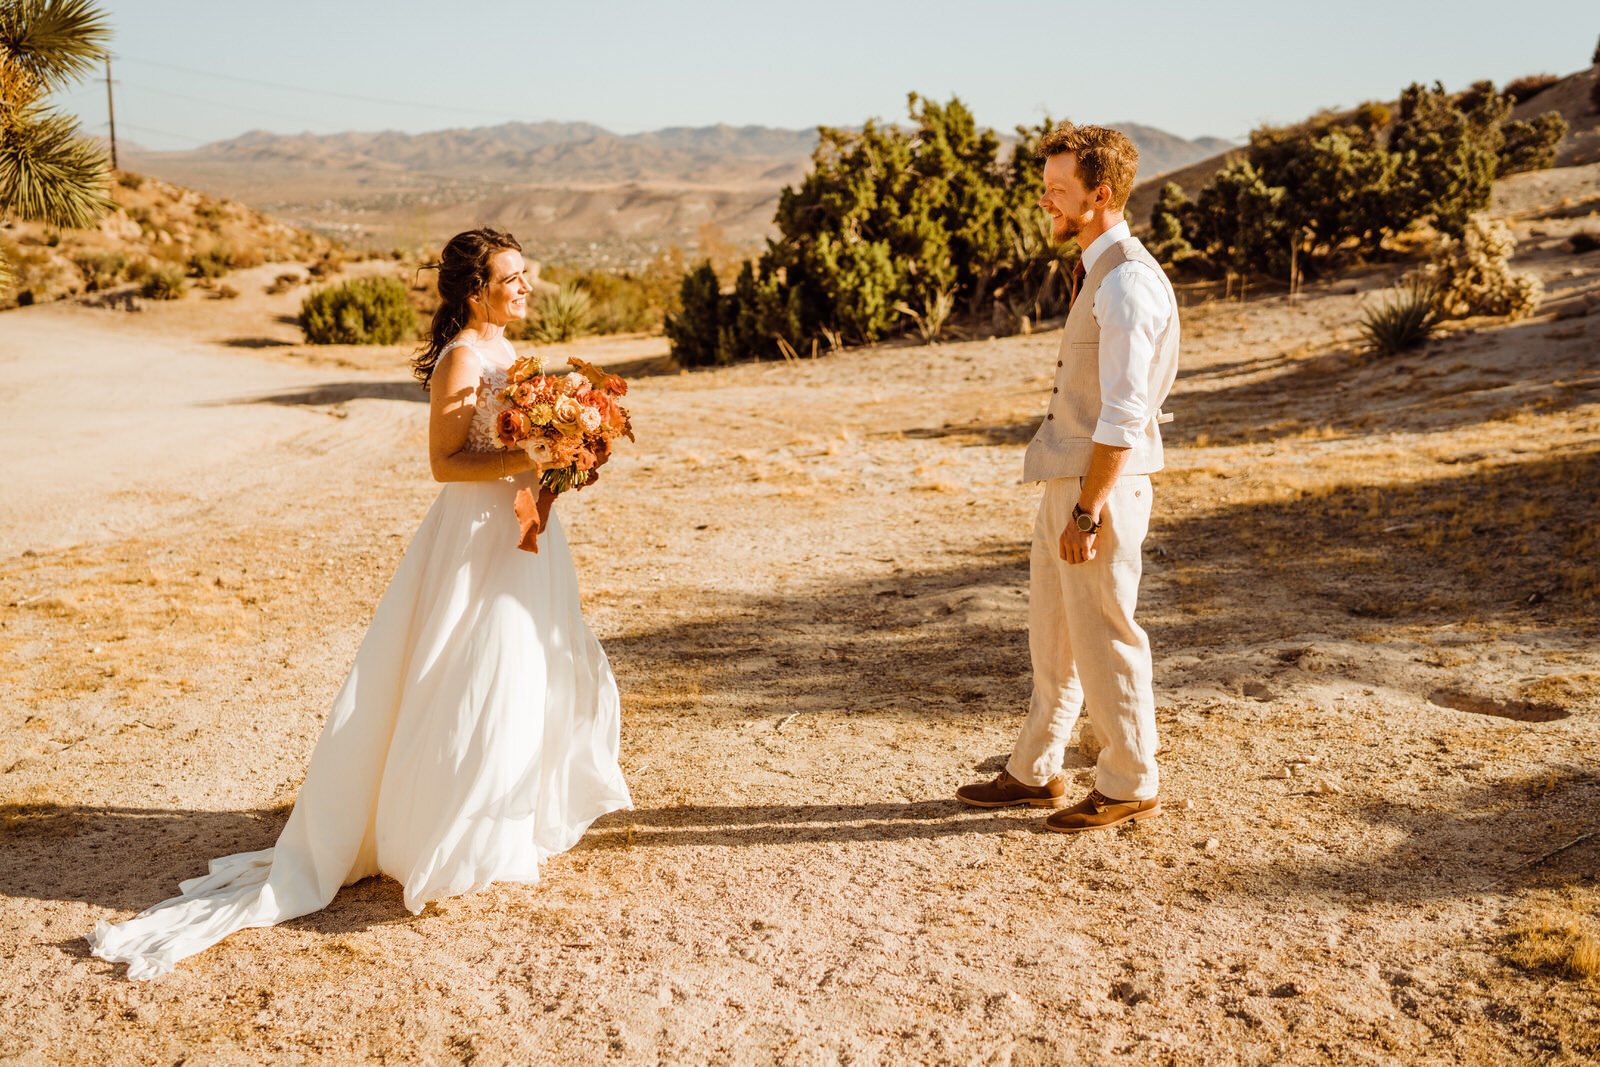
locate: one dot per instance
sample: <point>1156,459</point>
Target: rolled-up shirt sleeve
<point>1131,308</point>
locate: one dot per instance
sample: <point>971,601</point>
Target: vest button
<point>1058,363</point>
<point>1051,415</point>
<point>1055,389</point>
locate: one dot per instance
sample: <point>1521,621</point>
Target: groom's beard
<point>1065,228</point>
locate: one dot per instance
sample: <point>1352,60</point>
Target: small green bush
<point>694,331</point>
<point>283,283</point>
<point>212,262</point>
<point>364,311</point>
<point>1531,145</point>
<point>1522,89</point>
<point>101,270</point>
<point>164,283</point>
<point>1404,321</point>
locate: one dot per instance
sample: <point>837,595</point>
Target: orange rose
<point>511,427</point>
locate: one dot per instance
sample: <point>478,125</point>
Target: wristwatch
<point>1084,521</point>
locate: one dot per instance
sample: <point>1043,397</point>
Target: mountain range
<point>572,187</point>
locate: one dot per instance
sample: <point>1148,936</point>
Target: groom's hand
<point>1076,546</point>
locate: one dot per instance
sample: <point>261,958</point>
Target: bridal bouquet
<point>566,423</point>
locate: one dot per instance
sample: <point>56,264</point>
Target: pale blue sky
<point>1190,68</point>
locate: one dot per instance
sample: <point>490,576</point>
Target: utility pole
<point>111,114</point>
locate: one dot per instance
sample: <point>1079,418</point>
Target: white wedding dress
<point>475,735</point>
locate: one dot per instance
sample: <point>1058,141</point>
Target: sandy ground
<point>1371,589</point>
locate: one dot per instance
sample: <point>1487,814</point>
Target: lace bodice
<point>480,435</point>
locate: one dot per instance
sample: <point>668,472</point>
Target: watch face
<point>1085,522</point>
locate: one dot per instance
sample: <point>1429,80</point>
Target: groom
<point>1094,453</point>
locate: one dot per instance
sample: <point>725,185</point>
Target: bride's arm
<point>453,396</point>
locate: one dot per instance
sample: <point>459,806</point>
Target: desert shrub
<point>1583,241</point>
<point>101,270</point>
<point>1403,320</point>
<point>620,301</point>
<point>164,283</point>
<point>1531,145</point>
<point>562,315</point>
<point>330,262</point>
<point>225,292</point>
<point>363,311</point>
<point>1528,87</point>
<point>1167,241</point>
<point>283,283</point>
<point>695,331</point>
<point>1340,186</point>
<point>1473,275</point>
<point>887,215</point>
<point>211,262</point>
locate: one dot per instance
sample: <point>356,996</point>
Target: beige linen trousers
<point>1089,606</point>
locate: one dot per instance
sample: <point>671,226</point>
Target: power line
<point>163,133</point>
<point>326,92</point>
<point>137,88</point>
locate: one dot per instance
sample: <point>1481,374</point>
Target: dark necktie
<point>1077,283</point>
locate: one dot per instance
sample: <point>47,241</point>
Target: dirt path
<point>811,582</point>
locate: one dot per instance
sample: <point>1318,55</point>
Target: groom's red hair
<point>1104,157</point>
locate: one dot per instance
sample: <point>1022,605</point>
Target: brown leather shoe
<point>1006,792</point>
<point>1099,812</point>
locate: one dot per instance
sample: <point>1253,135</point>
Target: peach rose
<point>567,409</point>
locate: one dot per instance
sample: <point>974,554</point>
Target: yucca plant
<point>49,171</point>
<point>563,315</point>
<point>1404,320</point>
<point>935,313</point>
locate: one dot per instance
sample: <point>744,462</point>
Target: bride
<point>477,731</point>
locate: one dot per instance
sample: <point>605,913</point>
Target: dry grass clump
<point>1561,939</point>
<point>164,283</point>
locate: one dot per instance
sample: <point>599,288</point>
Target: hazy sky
<point>1191,68</point>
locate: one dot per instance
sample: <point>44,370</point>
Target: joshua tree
<point>48,171</point>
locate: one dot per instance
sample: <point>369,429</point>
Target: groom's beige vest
<point>1064,444</point>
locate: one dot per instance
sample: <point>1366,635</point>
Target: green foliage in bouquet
<point>363,311</point>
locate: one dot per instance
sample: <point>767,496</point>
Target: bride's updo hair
<point>463,271</point>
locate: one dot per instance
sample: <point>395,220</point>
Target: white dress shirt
<point>1132,308</point>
